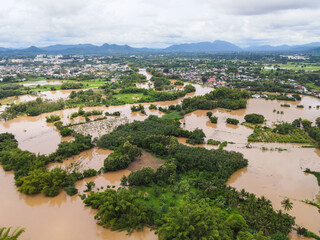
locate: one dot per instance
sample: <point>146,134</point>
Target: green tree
<point>318,122</point>
<point>192,221</point>
<point>286,204</point>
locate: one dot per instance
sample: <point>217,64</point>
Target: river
<point>270,173</point>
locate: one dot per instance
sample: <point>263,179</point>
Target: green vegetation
<point>188,190</point>
<point>213,142</point>
<point>232,121</point>
<point>137,108</point>
<point>179,83</point>
<point>121,157</point>
<point>285,105</point>
<point>30,173</point>
<point>71,85</point>
<point>71,190</point>
<point>85,114</point>
<point>286,204</point>
<point>6,235</point>
<point>305,232</point>
<point>153,106</point>
<point>119,209</point>
<point>32,108</point>
<point>220,97</point>
<point>213,119</point>
<point>316,174</point>
<point>127,98</point>
<point>313,203</point>
<point>173,115</point>
<point>66,132</point>
<point>53,118</point>
<point>284,97</point>
<point>265,134</point>
<point>254,118</point>
<point>9,90</point>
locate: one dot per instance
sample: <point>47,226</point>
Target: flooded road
<point>273,174</point>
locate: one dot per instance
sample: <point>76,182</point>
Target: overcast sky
<point>158,23</point>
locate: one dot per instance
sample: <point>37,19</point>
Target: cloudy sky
<point>158,23</point>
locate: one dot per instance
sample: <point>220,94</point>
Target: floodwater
<point>146,160</point>
<point>274,174</point>
<point>92,158</point>
<point>277,175</point>
<point>61,217</point>
<point>42,83</point>
<point>46,95</point>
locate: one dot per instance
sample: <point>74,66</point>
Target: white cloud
<point>158,23</point>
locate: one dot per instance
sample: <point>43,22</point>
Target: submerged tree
<point>286,204</point>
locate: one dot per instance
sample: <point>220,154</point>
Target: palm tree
<point>286,204</point>
<point>6,235</point>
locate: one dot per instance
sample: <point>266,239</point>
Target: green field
<point>128,97</point>
<point>173,116</point>
<point>296,67</point>
<point>96,82</point>
<point>313,86</point>
<point>267,135</point>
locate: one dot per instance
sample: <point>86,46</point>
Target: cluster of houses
<point>56,67</point>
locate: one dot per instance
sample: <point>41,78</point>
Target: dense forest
<point>186,197</point>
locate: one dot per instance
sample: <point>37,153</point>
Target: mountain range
<point>217,46</point>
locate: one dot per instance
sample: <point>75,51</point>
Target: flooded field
<point>273,174</point>
<point>46,95</point>
<point>42,83</point>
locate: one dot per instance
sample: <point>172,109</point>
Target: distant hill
<point>216,46</point>
<point>3,49</point>
<point>114,49</point>
<point>26,51</point>
<point>283,48</point>
<point>61,47</point>
<point>267,48</point>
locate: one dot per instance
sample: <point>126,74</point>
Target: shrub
<point>254,118</point>
<point>66,132</point>
<point>52,118</point>
<point>71,190</point>
<point>213,142</point>
<point>213,119</point>
<point>233,121</point>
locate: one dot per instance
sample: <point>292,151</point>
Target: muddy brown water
<point>61,217</point>
<point>270,173</point>
<point>47,95</point>
<point>42,83</point>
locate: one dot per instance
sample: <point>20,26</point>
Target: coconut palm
<point>6,235</point>
<point>286,204</point>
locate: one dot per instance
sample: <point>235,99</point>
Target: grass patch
<point>249,125</point>
<point>173,115</point>
<point>128,97</point>
<point>313,86</point>
<point>267,135</point>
